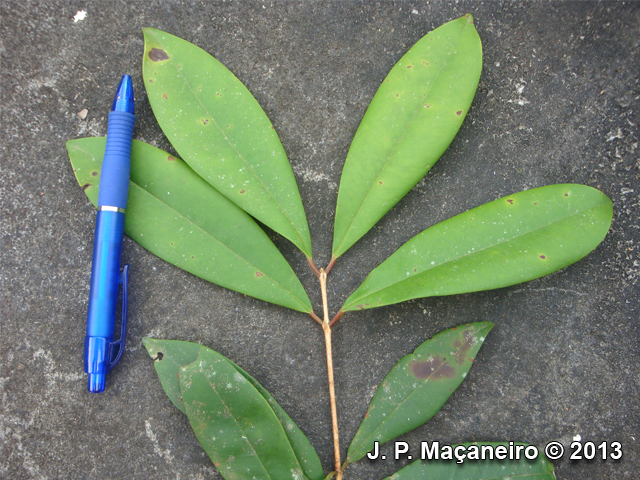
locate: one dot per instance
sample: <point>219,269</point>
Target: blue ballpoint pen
<point>101,353</point>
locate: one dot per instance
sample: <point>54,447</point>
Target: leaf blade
<point>418,385</point>
<point>538,469</point>
<point>511,240</point>
<point>211,238</point>
<point>170,355</point>
<point>234,424</point>
<point>224,134</point>
<point>411,121</point>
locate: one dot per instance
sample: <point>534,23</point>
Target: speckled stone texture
<point>558,102</point>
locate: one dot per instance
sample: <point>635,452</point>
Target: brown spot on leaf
<point>425,62</point>
<point>459,112</point>
<point>379,183</point>
<point>510,201</point>
<point>535,203</point>
<point>409,66</point>
<point>164,95</point>
<point>542,257</point>
<point>171,159</point>
<point>434,369</point>
<point>361,307</point>
<point>366,415</point>
<point>397,94</point>
<point>259,274</point>
<point>463,345</point>
<point>85,186</point>
<point>94,174</point>
<point>242,191</point>
<point>426,105</point>
<point>566,194</point>
<point>151,80</point>
<point>157,55</point>
<point>204,121</point>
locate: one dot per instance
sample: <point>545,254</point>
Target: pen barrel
<point>103,294</point>
<point>116,166</point>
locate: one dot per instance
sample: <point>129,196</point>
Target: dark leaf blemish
<point>259,274</point>
<point>94,174</point>
<point>435,368</point>
<point>459,112</point>
<point>171,159</point>
<point>242,191</point>
<point>85,186</point>
<point>542,257</point>
<point>157,55</point>
<point>164,95</point>
<point>510,201</point>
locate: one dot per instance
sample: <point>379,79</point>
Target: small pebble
<point>82,114</point>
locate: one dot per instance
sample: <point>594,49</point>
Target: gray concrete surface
<point>558,102</point>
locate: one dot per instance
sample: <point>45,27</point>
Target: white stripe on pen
<point>106,208</point>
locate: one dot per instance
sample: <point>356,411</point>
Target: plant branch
<point>313,266</point>
<point>331,264</point>
<point>332,394</point>
<point>316,317</point>
<point>336,318</point>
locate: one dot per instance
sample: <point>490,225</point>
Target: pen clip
<point>124,281</point>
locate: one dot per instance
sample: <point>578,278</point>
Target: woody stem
<point>332,394</point>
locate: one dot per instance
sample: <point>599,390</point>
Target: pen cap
<point>116,166</point>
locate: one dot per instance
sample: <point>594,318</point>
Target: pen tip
<point>96,382</point>
<point>123,101</point>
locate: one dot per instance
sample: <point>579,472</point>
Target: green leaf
<point>179,217</point>
<point>411,121</point>
<point>220,130</point>
<point>170,355</point>
<point>510,240</point>
<point>523,469</point>
<point>418,385</point>
<point>234,423</point>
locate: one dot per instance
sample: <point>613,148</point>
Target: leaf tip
<point>150,344</point>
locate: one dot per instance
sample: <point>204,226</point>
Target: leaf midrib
<point>426,95</point>
<point>233,146</point>
<point>212,236</point>
<point>390,415</point>
<point>473,253</point>
<point>225,246</point>
<point>246,437</point>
